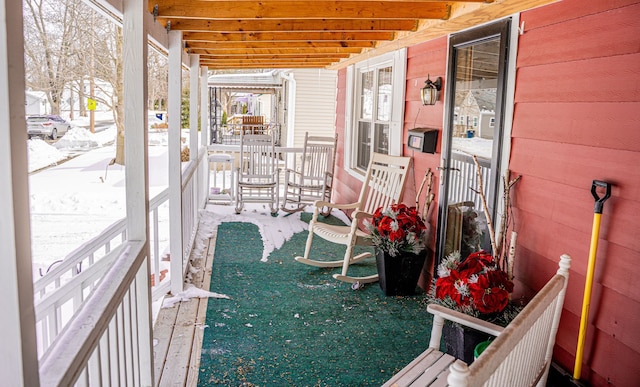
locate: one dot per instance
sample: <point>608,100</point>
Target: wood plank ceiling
<point>244,34</point>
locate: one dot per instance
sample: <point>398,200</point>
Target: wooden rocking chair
<point>258,174</point>
<point>313,180</point>
<point>383,186</point>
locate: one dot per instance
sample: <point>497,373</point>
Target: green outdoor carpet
<point>289,324</point>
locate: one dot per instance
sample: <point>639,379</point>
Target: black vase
<point>460,341</point>
<point>398,276</point>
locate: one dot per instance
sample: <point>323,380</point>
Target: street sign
<point>91,104</point>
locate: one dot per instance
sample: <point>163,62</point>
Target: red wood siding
<point>577,94</point>
<point>575,119</point>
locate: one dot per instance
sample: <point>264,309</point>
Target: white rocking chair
<point>258,174</point>
<point>313,180</point>
<point>383,186</point>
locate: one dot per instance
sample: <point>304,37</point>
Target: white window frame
<point>398,61</point>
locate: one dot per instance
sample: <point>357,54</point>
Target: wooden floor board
<point>178,331</point>
<point>194,366</point>
<point>162,332</point>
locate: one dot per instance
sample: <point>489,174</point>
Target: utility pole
<point>92,83</point>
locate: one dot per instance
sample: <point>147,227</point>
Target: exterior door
<point>473,127</point>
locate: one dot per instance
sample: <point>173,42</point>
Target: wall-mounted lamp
<point>431,91</point>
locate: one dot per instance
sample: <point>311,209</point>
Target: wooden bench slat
<point>434,371</point>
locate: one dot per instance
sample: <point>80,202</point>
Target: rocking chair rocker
<point>313,181</point>
<point>383,186</point>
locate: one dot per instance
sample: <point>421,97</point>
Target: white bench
<point>519,356</point>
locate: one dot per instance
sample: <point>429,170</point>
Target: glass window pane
<point>382,139</point>
<point>364,144</point>
<point>366,95</point>
<point>384,94</point>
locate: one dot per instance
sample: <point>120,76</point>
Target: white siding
<point>315,110</point>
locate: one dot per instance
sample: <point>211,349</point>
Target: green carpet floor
<point>289,324</point>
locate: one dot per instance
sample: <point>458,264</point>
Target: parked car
<point>51,126</point>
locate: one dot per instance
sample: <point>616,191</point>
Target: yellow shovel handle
<point>582,333</point>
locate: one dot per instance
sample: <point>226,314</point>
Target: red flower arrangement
<point>475,286</point>
<point>397,229</point>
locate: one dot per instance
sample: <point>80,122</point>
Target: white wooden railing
<point>90,307</point>
<point>288,157</point>
<point>108,340</point>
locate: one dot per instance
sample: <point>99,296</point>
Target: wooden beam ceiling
<point>319,33</point>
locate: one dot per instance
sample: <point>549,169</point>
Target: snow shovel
<point>595,232</point>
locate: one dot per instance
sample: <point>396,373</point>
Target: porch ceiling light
<point>431,91</point>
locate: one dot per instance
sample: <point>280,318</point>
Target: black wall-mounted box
<point>423,139</point>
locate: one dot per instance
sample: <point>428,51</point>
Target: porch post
<point>175,166</point>
<point>194,74</point>
<point>134,50</point>
<point>204,106</point>
<point>18,352</point>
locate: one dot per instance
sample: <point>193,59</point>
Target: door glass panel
<point>473,132</point>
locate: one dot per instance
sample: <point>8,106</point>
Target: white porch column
<point>194,84</point>
<point>134,53</point>
<point>18,352</point>
<point>175,166</point>
<point>204,106</point>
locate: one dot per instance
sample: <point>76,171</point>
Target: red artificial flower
<point>490,296</point>
<point>389,228</point>
<point>488,287</point>
<point>448,286</point>
<point>499,278</point>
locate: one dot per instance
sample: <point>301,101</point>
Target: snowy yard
<point>74,201</point>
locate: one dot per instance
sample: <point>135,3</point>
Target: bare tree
<point>48,36</point>
<point>68,47</point>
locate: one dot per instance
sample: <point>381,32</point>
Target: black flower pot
<point>398,276</point>
<point>461,341</point>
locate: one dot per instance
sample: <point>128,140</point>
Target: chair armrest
<point>465,319</point>
<point>357,214</point>
<point>322,203</point>
<point>440,313</point>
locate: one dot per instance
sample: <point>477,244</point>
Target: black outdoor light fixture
<point>431,91</point>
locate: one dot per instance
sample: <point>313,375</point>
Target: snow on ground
<point>41,154</point>
<point>81,139</point>
<point>74,201</point>
<point>188,293</point>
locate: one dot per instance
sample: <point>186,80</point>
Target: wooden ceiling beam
<point>276,51</point>
<point>279,60</point>
<point>299,25</point>
<point>463,16</point>
<point>285,36</point>
<point>262,66</point>
<point>291,9</point>
<point>274,56</point>
<point>276,45</point>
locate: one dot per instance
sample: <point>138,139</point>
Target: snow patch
<point>189,292</point>
<point>41,154</point>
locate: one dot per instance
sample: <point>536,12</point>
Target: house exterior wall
<point>315,103</point>
<point>577,89</point>
<point>567,133</point>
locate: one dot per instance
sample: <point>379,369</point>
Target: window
<point>377,103</point>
